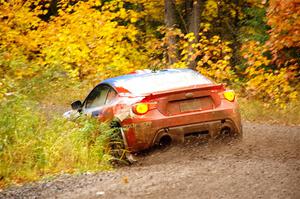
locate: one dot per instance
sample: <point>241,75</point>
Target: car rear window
<point>162,81</point>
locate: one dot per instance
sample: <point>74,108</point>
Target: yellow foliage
<point>83,41</point>
<point>17,44</point>
<point>153,9</point>
<point>212,54</point>
<point>266,84</point>
<point>92,45</point>
<point>211,10</point>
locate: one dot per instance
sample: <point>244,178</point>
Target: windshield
<point>162,81</point>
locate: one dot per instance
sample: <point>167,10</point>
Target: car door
<point>98,99</point>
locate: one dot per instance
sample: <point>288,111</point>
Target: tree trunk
<point>53,7</point>
<point>195,17</point>
<point>170,21</point>
<point>196,8</point>
<point>188,12</point>
<point>236,43</point>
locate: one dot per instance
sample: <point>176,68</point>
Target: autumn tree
<point>190,17</point>
<point>209,16</point>
<point>284,42</point>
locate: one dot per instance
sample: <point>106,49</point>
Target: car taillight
<point>229,95</point>
<point>142,108</point>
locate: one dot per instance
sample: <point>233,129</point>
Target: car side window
<point>111,96</point>
<point>97,97</point>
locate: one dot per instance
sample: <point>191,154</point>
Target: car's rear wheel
<point>228,131</point>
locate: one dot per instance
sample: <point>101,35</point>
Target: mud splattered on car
<point>160,107</point>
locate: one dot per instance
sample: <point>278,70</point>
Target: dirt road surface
<point>266,164</point>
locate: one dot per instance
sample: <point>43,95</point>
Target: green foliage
<point>253,25</point>
<point>33,146</point>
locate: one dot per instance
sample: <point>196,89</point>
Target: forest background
<point>53,51</point>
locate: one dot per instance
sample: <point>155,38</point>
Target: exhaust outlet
<point>225,131</point>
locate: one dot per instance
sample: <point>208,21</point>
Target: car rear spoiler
<point>187,89</point>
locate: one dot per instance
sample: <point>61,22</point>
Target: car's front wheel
<point>118,146</point>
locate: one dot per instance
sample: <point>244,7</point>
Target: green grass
<point>33,146</point>
<point>36,142</point>
<point>257,111</point>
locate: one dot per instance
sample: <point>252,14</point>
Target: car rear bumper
<point>144,132</point>
<point>212,128</point>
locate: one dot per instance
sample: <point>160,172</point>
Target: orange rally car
<point>164,106</point>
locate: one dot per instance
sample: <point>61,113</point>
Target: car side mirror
<point>76,105</point>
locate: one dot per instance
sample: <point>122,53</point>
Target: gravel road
<point>266,164</point>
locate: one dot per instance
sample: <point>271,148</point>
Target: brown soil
<point>266,164</point>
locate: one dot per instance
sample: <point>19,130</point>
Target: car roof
<point>139,73</point>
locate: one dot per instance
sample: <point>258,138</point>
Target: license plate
<point>190,105</point>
